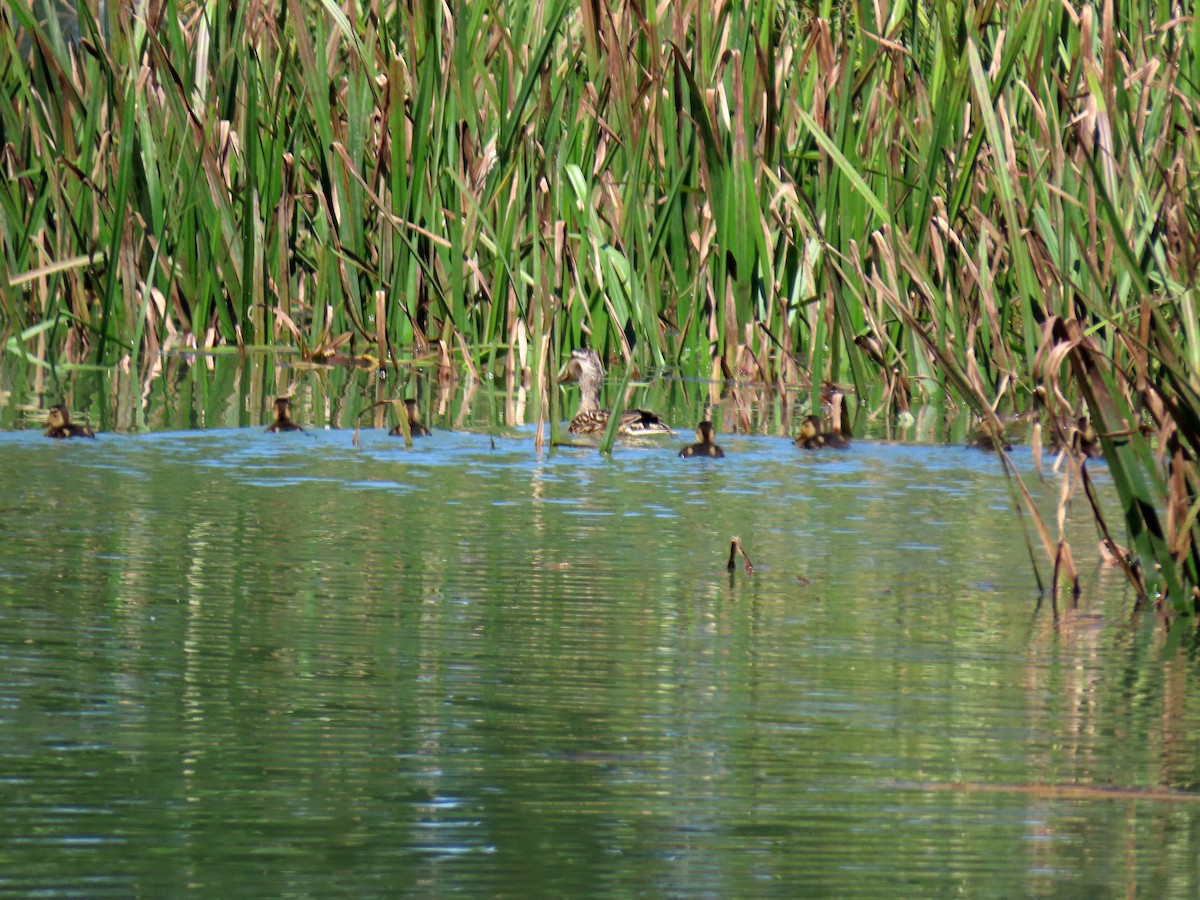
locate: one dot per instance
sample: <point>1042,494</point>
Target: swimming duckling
<point>415,428</point>
<point>705,445</point>
<point>283,417</point>
<point>584,367</point>
<point>813,438</point>
<point>988,438</point>
<point>59,425</point>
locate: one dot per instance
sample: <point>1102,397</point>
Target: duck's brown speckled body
<point>584,367</point>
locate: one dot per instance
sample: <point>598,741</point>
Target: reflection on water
<point>285,664</point>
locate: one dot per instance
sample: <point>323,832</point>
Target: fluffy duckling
<point>813,438</point>
<point>415,428</point>
<point>1078,435</point>
<point>705,445</point>
<point>584,367</point>
<point>59,425</point>
<point>1067,432</point>
<point>989,439</point>
<point>283,417</point>
<point>1086,438</point>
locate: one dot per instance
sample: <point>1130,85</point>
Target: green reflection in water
<point>266,664</point>
<point>196,391</point>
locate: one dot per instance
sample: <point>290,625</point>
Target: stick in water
<point>735,547</point>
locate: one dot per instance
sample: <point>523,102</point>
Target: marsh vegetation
<point>965,202</point>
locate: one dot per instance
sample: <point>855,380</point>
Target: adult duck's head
<point>584,363</point>
<point>584,368</point>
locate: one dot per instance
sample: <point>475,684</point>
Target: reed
<point>961,202</point>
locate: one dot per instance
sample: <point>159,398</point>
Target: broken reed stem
<point>735,547</point>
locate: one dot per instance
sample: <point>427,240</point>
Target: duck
<point>705,446</point>
<point>584,367</point>
<point>283,417</point>
<point>1086,439</point>
<point>813,438</point>
<point>59,425</point>
<point>1078,435</point>
<point>415,428</point>
<point>1068,432</point>
<point>989,438</point>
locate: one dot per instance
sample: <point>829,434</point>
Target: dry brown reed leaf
<point>1066,490</point>
<point>1126,560</point>
<point>328,347</point>
<point>282,318</point>
<point>1035,445</point>
<point>735,547</point>
<point>1112,553</point>
<point>446,371</point>
<point>1178,508</point>
<point>1065,574</point>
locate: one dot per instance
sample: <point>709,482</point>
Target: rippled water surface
<point>256,664</point>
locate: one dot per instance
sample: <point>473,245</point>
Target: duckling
<point>415,428</point>
<point>1067,432</point>
<point>59,425</point>
<point>283,417</point>
<point>810,434</point>
<point>585,368</point>
<point>1086,438</point>
<point>812,438</point>
<point>1078,435</point>
<point>988,438</point>
<point>704,446</point>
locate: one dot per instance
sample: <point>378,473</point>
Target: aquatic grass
<point>902,194</point>
<point>614,416</point>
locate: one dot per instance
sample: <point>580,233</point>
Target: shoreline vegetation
<point>990,204</point>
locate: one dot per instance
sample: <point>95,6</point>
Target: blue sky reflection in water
<point>237,662</point>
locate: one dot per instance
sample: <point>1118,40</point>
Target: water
<point>238,663</point>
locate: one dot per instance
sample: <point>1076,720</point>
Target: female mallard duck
<point>415,428</point>
<point>813,438</point>
<point>584,367</point>
<point>705,445</point>
<point>59,425</point>
<point>283,417</point>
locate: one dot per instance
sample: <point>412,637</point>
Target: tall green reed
<point>909,192</point>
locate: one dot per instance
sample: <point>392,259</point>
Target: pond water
<point>233,662</point>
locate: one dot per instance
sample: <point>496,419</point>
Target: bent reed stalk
<point>965,201</point>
